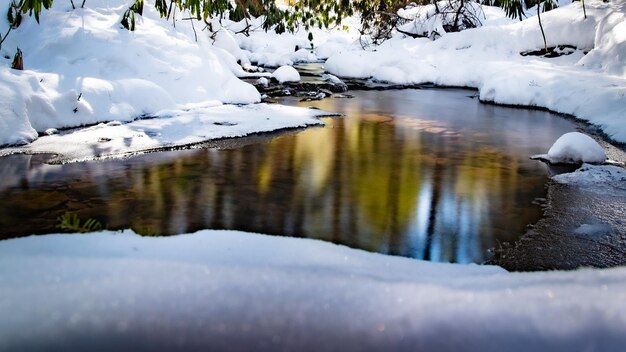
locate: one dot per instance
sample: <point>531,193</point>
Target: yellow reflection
<point>314,155</point>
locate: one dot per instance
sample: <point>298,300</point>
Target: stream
<point>424,173</point>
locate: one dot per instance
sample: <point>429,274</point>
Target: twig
<point>545,42</point>
<point>174,17</point>
<point>412,35</point>
<point>5,36</point>
<point>245,31</point>
<point>192,26</point>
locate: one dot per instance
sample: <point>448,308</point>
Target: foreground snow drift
<point>232,290</point>
<point>172,128</point>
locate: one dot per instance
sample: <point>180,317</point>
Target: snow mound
<point>576,148</point>
<point>273,50</point>
<point>224,39</point>
<point>286,74</point>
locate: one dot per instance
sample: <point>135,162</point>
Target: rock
<point>263,82</point>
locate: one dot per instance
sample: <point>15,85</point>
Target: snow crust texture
<point>612,178</point>
<point>231,290</point>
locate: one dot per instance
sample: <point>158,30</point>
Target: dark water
<point>428,174</point>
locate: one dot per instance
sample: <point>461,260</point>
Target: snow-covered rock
<point>576,148</point>
<point>263,81</point>
<point>286,74</point>
<point>303,55</point>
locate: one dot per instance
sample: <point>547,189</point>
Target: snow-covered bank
<point>608,179</point>
<point>591,87</point>
<point>82,67</point>
<point>583,224</point>
<point>232,290</point>
<point>170,128</point>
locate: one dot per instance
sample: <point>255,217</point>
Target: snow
<point>426,22</point>
<point>332,46</point>
<point>14,125</point>
<point>611,177</point>
<point>236,290</point>
<point>609,53</point>
<point>82,68</point>
<point>85,69</point>
<point>591,87</point>
<point>576,148</point>
<point>224,39</point>
<point>593,229</point>
<point>220,286</point>
<point>263,81</point>
<point>286,74</point>
<point>170,128</point>
<point>274,50</point>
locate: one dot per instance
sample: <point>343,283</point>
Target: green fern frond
<point>70,222</point>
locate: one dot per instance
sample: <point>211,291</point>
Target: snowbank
<point>14,125</point>
<point>194,124</point>
<point>235,291</point>
<point>82,67</point>
<point>591,87</point>
<point>609,53</point>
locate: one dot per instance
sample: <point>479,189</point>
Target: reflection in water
<point>422,173</point>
